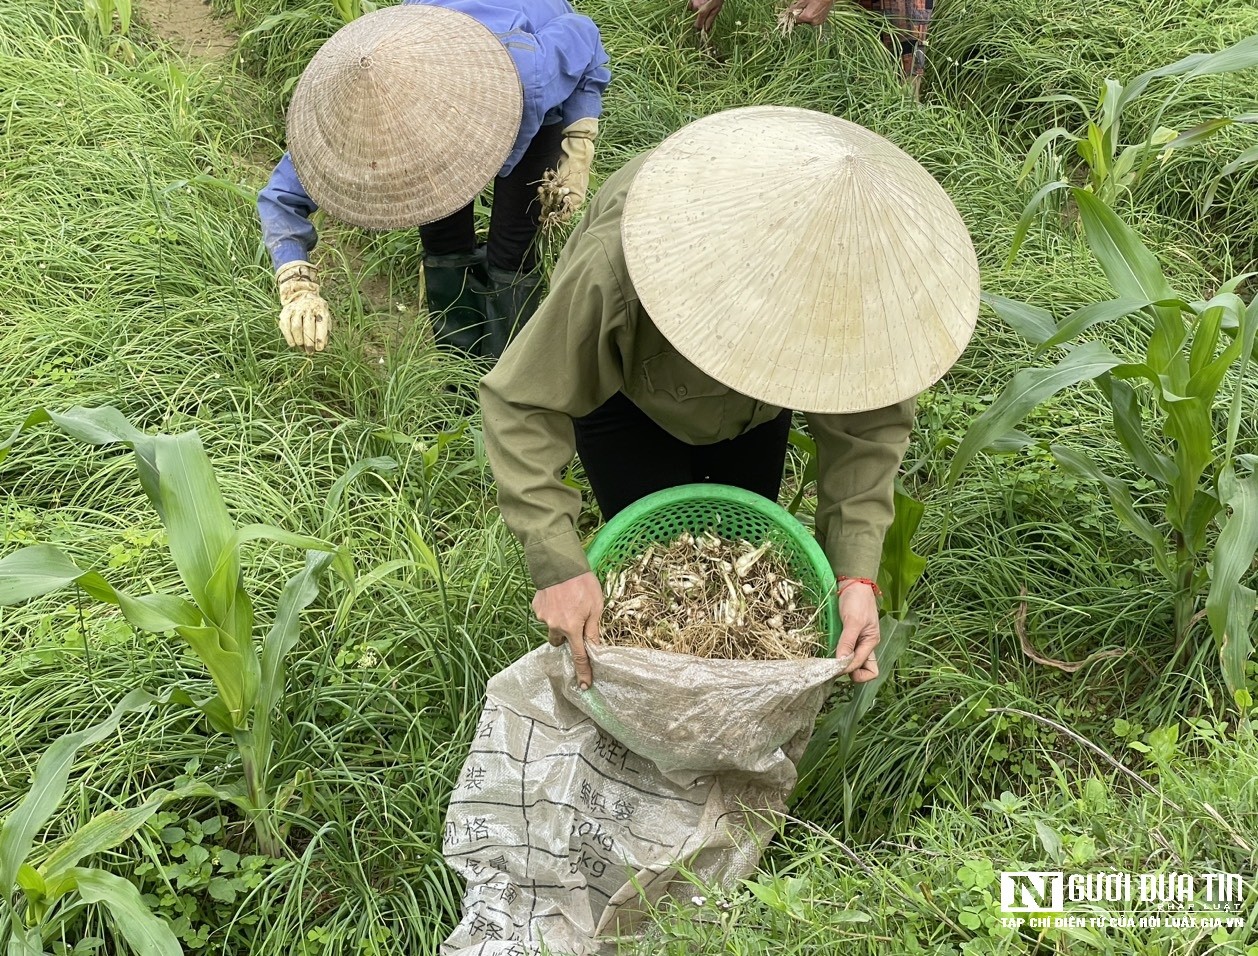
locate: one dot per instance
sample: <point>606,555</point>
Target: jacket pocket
<point>670,374</point>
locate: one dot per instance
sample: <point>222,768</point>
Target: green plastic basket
<point>733,513</point>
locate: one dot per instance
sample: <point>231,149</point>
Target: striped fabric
<point>909,21</point>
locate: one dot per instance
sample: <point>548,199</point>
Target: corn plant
<point>100,14</point>
<point>349,10</point>
<point>218,622</point>
<point>35,892</point>
<point>1113,169</point>
<point>1205,537</point>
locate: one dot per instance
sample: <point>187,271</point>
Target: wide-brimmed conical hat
<point>801,259</point>
<point>403,116</point>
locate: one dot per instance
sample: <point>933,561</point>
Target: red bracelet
<point>844,581</point>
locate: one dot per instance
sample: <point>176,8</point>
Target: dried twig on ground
<point>712,598</point>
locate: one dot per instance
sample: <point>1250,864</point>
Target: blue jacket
<point>563,72</point>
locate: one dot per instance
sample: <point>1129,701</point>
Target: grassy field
<point>133,276</point>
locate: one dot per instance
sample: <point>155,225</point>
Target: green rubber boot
<point>510,301</point>
<point>454,287</point>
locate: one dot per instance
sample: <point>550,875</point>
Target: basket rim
<point>799,535</point>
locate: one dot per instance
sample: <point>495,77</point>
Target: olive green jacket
<point>591,338</point>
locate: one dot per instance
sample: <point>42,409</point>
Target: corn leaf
<point>1134,273</point>
<point>200,531</point>
<point>37,417</point>
<point>158,613</point>
<point>111,828</point>
<point>144,932</point>
<point>1121,501</point>
<point>1129,427</point>
<point>233,666</point>
<point>1110,111</point>
<point>1131,268</point>
<point>1034,324</point>
<point>1207,378</point>
<point>1238,56</point>
<point>213,709</point>
<point>99,426</point>
<point>1230,605</point>
<point>42,569</point>
<point>901,567</point>
<point>1202,510</point>
<point>1190,425</point>
<point>1099,313</point>
<point>24,940</point>
<point>1097,154</point>
<point>1198,133</point>
<point>48,786</point>
<point>202,543</point>
<point>300,590</point>
<point>1025,391</point>
<point>31,882</point>
<point>1205,339</point>
<point>341,559</point>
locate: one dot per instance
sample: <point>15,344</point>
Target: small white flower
<point>698,900</point>
<point>401,307</point>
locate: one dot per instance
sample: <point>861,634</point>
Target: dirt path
<point>190,26</point>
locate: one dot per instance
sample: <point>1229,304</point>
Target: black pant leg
<point>754,460</point>
<point>627,456</point>
<point>453,235</point>
<point>516,209</point>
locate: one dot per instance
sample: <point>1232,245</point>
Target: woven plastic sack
<point>574,808</point>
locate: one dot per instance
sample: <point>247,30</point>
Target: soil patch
<point>190,26</point>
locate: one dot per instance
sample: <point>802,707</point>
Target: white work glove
<point>304,316</point>
<point>563,191</point>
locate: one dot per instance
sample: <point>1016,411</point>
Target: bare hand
<point>570,610</point>
<point>706,11</point>
<point>858,609</point>
<point>813,12</point>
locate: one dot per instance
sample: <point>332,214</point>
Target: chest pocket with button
<point>683,400</point>
<point>671,374</point>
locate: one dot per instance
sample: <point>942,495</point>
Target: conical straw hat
<point>403,116</point>
<point>801,259</point>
